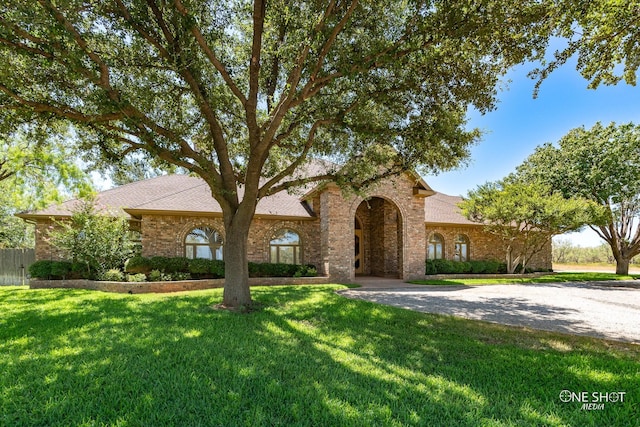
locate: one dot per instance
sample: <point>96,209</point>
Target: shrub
<point>216,268</point>
<point>199,266</point>
<point>40,269</point>
<point>477,267</point>
<point>157,263</point>
<point>307,270</point>
<point>267,269</point>
<point>60,269</point>
<point>138,264</point>
<point>430,267</point>
<point>180,276</point>
<point>112,275</point>
<point>176,265</point>
<point>155,276</point>
<point>444,266</point>
<point>99,241</point>
<point>80,271</point>
<point>140,277</point>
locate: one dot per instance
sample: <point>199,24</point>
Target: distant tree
<point>245,93</point>
<point>33,175</point>
<point>603,34</point>
<point>14,232</point>
<point>36,170</point>
<point>525,216</point>
<point>601,164</point>
<point>561,248</point>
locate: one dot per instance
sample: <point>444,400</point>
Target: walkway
<point>591,309</point>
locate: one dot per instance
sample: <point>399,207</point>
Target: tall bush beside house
<point>99,242</point>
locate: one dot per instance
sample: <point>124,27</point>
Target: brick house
<point>390,233</point>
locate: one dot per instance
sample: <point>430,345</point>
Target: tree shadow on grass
<point>309,357</point>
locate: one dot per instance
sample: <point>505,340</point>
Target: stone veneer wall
<point>482,245</point>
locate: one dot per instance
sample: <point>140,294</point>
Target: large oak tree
<point>601,34</point>
<point>244,93</point>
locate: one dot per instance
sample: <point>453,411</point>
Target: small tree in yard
<point>99,242</point>
<point>601,164</point>
<point>244,93</point>
<point>525,216</point>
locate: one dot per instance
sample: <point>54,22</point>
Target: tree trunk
<point>512,264</point>
<point>622,266</point>
<point>237,294</point>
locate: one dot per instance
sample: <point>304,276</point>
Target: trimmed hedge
<point>213,269</point>
<point>45,269</point>
<point>445,266</point>
<point>171,268</point>
<point>266,269</point>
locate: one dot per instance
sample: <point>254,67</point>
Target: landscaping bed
<point>161,269</point>
<point>167,286</point>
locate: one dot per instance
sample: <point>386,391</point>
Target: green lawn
<point>309,357</point>
<point>550,278</point>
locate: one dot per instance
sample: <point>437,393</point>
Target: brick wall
<point>393,230</point>
<point>164,235</point>
<point>482,245</point>
<point>44,250</point>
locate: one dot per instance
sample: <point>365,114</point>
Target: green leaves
<point>603,165</point>
<point>526,215</point>
<point>603,34</point>
<point>94,239</point>
<point>216,89</point>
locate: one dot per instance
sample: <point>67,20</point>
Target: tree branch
<point>251,106</point>
<point>84,46</point>
<point>199,38</point>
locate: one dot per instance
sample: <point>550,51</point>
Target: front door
<point>358,261</point>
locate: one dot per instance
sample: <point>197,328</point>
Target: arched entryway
<point>378,238</point>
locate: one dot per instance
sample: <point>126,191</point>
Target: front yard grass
<point>549,278</point>
<point>308,357</point>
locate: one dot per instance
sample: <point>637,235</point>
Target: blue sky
<point>521,123</point>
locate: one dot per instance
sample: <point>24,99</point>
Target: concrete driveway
<point>593,309</point>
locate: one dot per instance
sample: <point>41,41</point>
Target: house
<point>390,233</point>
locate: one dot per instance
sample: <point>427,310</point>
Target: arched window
<point>284,247</point>
<point>436,247</point>
<point>461,248</point>
<point>203,242</point>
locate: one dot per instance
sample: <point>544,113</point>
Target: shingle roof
<point>190,195</point>
<point>173,193</point>
<point>443,209</point>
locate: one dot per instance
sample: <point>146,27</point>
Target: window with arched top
<point>285,247</point>
<point>461,252</point>
<point>435,248</point>
<point>203,242</point>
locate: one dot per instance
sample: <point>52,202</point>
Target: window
<point>285,247</point>
<point>461,248</point>
<point>203,242</point>
<point>436,247</point>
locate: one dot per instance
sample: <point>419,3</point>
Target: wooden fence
<point>14,265</point>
